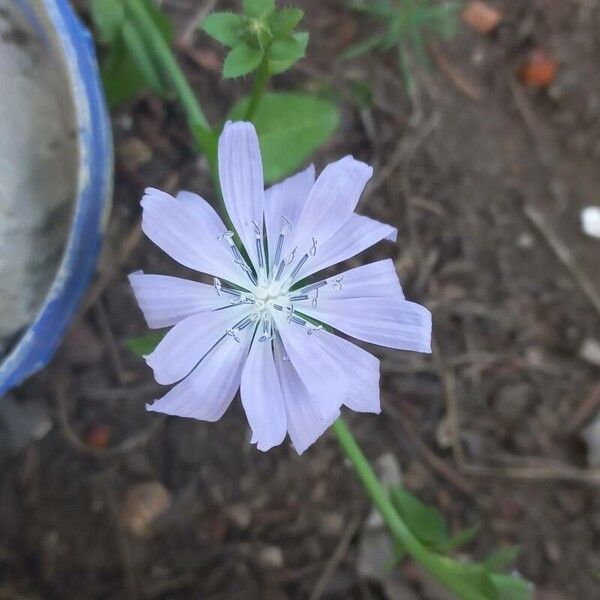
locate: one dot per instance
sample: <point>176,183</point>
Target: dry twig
<point>335,560</point>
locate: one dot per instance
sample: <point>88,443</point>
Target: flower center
<point>270,290</point>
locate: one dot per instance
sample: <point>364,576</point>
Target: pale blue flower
<point>257,326</point>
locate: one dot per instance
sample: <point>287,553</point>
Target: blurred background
<point>485,142</point>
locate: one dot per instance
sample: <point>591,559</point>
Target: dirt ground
<point>485,179</point>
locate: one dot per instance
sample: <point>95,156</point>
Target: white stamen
<point>218,285</point>
<point>313,286</point>
<point>298,266</point>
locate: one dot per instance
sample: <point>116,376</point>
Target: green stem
<point>165,57</point>
<point>204,136</point>
<point>398,528</point>
<point>260,84</point>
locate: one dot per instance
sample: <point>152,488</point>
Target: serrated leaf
<point>241,60</point>
<point>279,65</point>
<point>502,559</point>
<point>134,44</point>
<point>224,27</point>
<point>107,16</point>
<point>425,522</point>
<point>282,22</point>
<point>145,344</point>
<point>512,587</point>
<point>258,8</point>
<point>290,127</point>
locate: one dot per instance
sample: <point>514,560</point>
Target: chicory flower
<point>260,325</point>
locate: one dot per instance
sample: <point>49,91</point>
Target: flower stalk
<point>260,84</point>
<point>434,563</point>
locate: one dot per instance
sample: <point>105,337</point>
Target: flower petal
<point>388,321</point>
<point>320,372</point>
<point>167,300</point>
<point>367,303</point>
<point>241,176</point>
<point>208,391</point>
<point>331,201</point>
<point>187,236</point>
<point>356,235</point>
<point>262,397</point>
<point>184,346</point>
<point>306,418</point>
<point>286,199</point>
<point>361,368</point>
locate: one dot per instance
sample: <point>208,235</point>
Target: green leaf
<point>362,47</point>
<point>145,344</point>
<point>258,8</point>
<point>286,49</point>
<point>475,576</point>
<point>224,27</point>
<point>512,587</point>
<point>425,522</point>
<point>136,48</point>
<point>290,127</point>
<point>241,60</point>
<point>107,16</point>
<point>502,559</point>
<point>294,48</point>
<point>282,22</point>
<point>206,140</point>
<point>460,539</point>
<point>120,76</point>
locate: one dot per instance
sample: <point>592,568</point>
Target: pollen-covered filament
<point>269,290</point>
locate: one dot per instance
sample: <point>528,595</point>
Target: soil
<point>485,179</point>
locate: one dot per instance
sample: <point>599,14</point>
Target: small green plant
<point>136,37</point>
<point>406,25</point>
<point>490,577</point>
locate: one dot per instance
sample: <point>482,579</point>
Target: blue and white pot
<point>56,168</point>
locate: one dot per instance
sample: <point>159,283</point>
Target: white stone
<point>590,221</point>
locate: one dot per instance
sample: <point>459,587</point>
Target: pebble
<point>590,351</point>
<point>143,504</point>
<point>590,221</point>
<point>239,515</point>
<point>271,557</point>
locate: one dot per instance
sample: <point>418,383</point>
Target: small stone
<point>271,557</point>
<point>133,152</point>
<point>511,401</point>
<point>143,504</point>
<point>591,436</point>
<point>22,423</point>
<point>590,221</point>
<point>332,524</point>
<point>481,16</point>
<point>590,351</point>
<point>239,515</point>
